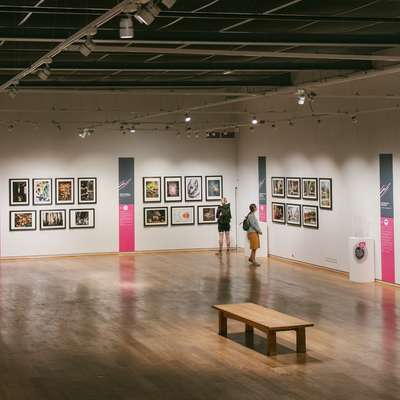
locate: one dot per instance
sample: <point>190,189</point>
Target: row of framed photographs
<point>180,215</point>
<point>173,190</point>
<point>305,188</point>
<point>20,192</point>
<point>26,220</point>
<point>295,214</point>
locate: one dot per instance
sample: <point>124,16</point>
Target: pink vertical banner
<point>387,249</point>
<point>263,212</point>
<point>126,205</point>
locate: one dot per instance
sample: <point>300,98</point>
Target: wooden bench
<point>264,319</point>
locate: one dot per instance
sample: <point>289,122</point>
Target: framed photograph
<point>19,192</point>
<point>293,188</point>
<point>182,215</point>
<point>293,214</point>
<point>156,216</point>
<point>214,188</point>
<point>52,219</point>
<point>22,220</point>
<point>278,187</point>
<point>310,217</point>
<point>82,219</point>
<point>65,188</point>
<point>173,189</point>
<point>42,191</point>
<point>207,215</point>
<point>278,213</point>
<point>193,188</point>
<point>152,189</point>
<point>325,193</point>
<point>87,190</point>
<point>310,188</point>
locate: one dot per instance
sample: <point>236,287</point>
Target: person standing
<point>224,217</point>
<point>253,234</point>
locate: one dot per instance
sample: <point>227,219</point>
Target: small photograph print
<point>156,216</point>
<point>87,190</point>
<point>52,219</point>
<point>293,188</point>
<point>310,188</point>
<point>151,189</point>
<point>82,219</point>
<point>214,188</point>
<point>207,215</point>
<point>64,190</point>
<point>278,213</point>
<point>42,192</point>
<point>325,193</point>
<point>193,188</point>
<point>182,215</point>
<point>19,192</point>
<point>310,217</point>
<point>278,186</point>
<point>173,188</point>
<point>22,220</point>
<point>293,214</point>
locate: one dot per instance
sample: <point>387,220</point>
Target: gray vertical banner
<point>262,188</point>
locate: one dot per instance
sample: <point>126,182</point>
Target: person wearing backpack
<point>251,225</point>
<point>224,217</point>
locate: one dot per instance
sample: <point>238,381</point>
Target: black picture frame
<point>171,199</point>
<point>307,197</point>
<point>273,192</point>
<point>74,210</point>
<point>291,196</point>
<point>298,206</point>
<point>56,191</point>
<point>221,194</point>
<point>164,224</point>
<point>305,224</point>
<point>80,201</point>
<point>200,187</point>
<point>183,224</point>
<point>11,192</point>
<point>53,228</point>
<point>278,221</point>
<point>146,199</point>
<point>12,212</point>
<point>321,204</point>
<point>200,221</point>
<point>42,203</point>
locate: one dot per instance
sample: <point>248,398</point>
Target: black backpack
<point>246,223</point>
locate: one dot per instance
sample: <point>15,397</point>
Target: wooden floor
<point>142,327</point>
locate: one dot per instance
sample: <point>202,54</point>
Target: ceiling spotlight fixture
<point>273,125</point>
<point>132,129</point>
<point>301,96</point>
<point>291,123</point>
<point>197,135</point>
<point>168,3</point>
<point>254,120</point>
<point>178,134</point>
<point>44,73</point>
<point>354,119</point>
<point>10,128</point>
<point>188,118</point>
<point>83,133</point>
<point>87,47</point>
<point>126,27</point>
<point>147,14</point>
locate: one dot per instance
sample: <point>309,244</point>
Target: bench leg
<point>249,335</point>
<point>223,324</point>
<point>301,340</point>
<point>271,342</point>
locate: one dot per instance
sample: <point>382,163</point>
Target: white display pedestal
<point>263,250</point>
<point>362,269</point>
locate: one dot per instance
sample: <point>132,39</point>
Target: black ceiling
<point>30,28</point>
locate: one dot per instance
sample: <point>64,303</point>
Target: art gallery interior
<point>123,125</point>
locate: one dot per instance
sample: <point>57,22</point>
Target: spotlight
<point>126,27</point>
<point>188,118</point>
<point>132,129</point>
<point>87,47</point>
<point>153,9</point>
<point>301,97</point>
<point>85,132</point>
<point>44,73</point>
<point>10,128</point>
<point>254,120</point>
<point>354,119</point>
<point>168,3</point>
<point>196,135</point>
<point>178,134</point>
<point>291,123</point>
<point>146,15</point>
<point>273,125</point>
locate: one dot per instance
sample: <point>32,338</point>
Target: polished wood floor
<point>142,327</point>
